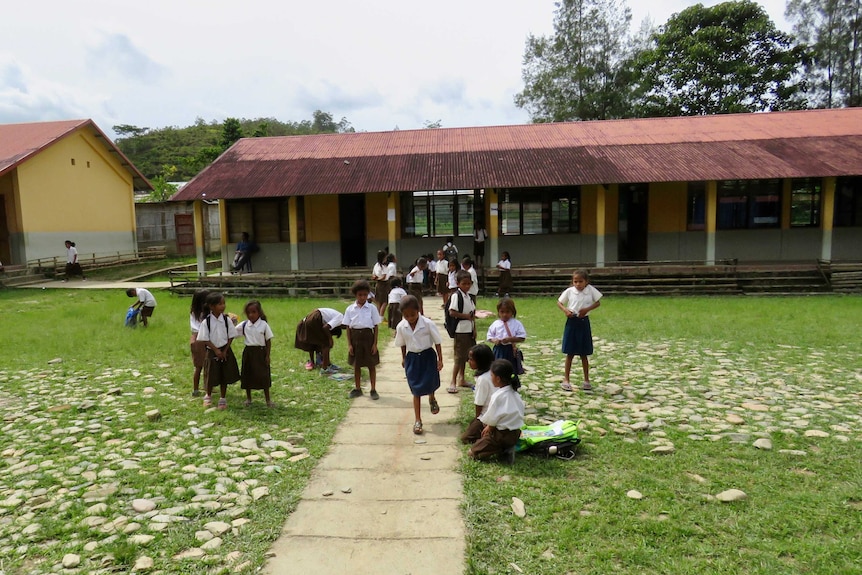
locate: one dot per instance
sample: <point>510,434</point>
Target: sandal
<point>222,403</point>
<point>452,389</point>
<point>566,386</point>
<point>417,428</point>
<point>208,401</point>
<point>435,407</point>
<point>247,403</point>
<point>587,386</point>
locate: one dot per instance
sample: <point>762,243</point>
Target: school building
<point>62,181</point>
<point>771,188</point>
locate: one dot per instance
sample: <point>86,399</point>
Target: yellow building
<point>64,180</point>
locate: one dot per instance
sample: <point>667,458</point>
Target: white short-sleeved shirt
<point>474,288</point>
<point>145,297</point>
<point>424,336</point>
<point>365,317</point>
<point>395,294</point>
<point>379,270</point>
<point>391,270</point>
<point>331,317</point>
<point>415,276</point>
<point>497,330</point>
<point>453,282</point>
<point>465,325</point>
<point>442,267</point>
<point>194,323</point>
<point>504,264</point>
<point>216,331</point>
<point>575,300</point>
<point>71,254</point>
<point>483,389</point>
<point>505,410</point>
<point>255,334</point>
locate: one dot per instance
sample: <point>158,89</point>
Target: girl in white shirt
<point>504,287</point>
<point>577,302</point>
<point>506,332</point>
<point>218,332</point>
<point>198,348</point>
<point>421,357</point>
<point>480,359</point>
<point>504,417</point>
<point>380,274</point>
<point>255,357</point>
<point>396,292</point>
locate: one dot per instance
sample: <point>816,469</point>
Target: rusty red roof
<point>809,143</point>
<point>19,142</point>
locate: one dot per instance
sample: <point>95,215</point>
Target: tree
<point>429,125</point>
<point>231,132</point>
<point>721,59</point>
<point>577,72</point>
<point>162,187</point>
<point>833,31</point>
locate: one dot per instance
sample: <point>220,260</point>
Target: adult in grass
<point>480,359</point>
<point>362,320</point>
<point>461,307</point>
<point>218,331</point>
<point>315,333</point>
<point>255,373</point>
<point>73,267</point>
<point>503,418</point>
<point>197,313</point>
<point>577,302</point>
<point>421,357</point>
<point>146,303</point>
<point>506,332</point>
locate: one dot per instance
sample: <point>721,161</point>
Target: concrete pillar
<point>200,241</point>
<point>293,222</point>
<point>391,220</point>
<point>711,219</point>
<point>226,259</point>
<point>827,218</point>
<point>601,218</point>
<point>492,254</point>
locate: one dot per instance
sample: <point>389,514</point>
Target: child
<point>362,319</point>
<point>504,417</point>
<point>480,360</point>
<point>73,267</point>
<point>507,331</point>
<point>380,274</point>
<point>198,348</point>
<point>577,302</point>
<point>449,249</point>
<point>396,292</point>
<point>451,280</point>
<point>418,338</point>
<point>314,334</point>
<point>146,303</point>
<point>218,332</point>
<point>504,287</point>
<point>461,307</point>
<point>255,357</point>
<point>467,265</point>
<point>414,281</point>
<point>441,268</point>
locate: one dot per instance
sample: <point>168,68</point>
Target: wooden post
<point>200,248</point>
<point>293,222</point>
<point>226,260</point>
<point>711,219</point>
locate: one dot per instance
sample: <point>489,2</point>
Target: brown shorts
<point>442,284</point>
<point>462,344</point>
<point>199,351</point>
<point>381,294</point>
<point>473,432</point>
<point>147,311</point>
<point>362,341</point>
<point>415,290</point>
<point>495,443</point>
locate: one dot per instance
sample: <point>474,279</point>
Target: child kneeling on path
<point>419,338</point>
<point>255,357</point>
<point>504,417</point>
<point>218,331</point>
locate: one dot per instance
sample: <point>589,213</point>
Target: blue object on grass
<point>132,317</point>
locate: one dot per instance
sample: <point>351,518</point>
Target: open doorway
<point>5,249</point>
<point>633,224</point>
<point>351,214</point>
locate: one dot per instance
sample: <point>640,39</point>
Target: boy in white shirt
<point>462,308</point>
<point>146,303</point>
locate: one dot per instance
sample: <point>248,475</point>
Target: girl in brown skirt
<point>255,357</point>
<point>505,266</point>
<point>197,313</point>
<point>362,319</point>
<point>218,331</point>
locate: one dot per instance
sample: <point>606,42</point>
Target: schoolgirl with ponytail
<point>504,417</point>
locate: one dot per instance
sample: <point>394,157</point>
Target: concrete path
<point>96,284</point>
<point>402,515</point>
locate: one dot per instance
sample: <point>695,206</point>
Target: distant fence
<point>57,264</point>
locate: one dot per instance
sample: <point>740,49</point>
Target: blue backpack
<point>132,317</point>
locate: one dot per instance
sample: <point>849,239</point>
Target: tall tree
<point>833,30</point>
<point>231,132</point>
<point>720,59</point>
<point>575,74</point>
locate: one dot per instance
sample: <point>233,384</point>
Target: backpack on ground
<point>451,323</point>
<point>132,317</point>
<point>559,439</point>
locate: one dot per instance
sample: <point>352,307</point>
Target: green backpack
<point>558,439</point>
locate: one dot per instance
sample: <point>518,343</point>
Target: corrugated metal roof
<point>814,143</point>
<point>19,142</point>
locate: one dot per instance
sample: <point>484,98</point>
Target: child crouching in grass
<point>421,356</point>
<point>504,417</point>
<point>480,359</point>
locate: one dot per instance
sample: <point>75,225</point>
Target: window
<point>266,221</point>
<point>696,207</point>
<point>805,202</point>
<point>848,202</point>
<point>745,204</point>
<point>540,211</point>
<point>437,214</point>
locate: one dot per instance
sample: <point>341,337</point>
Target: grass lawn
<point>77,449</point>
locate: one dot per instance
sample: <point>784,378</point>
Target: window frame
<point>541,201</point>
<point>746,196</point>
<point>459,205</point>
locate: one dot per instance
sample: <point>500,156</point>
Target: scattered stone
<point>259,492</point>
<point>143,505</point>
<point>798,452</point>
<point>346,490</point>
<point>634,494</point>
<point>763,443</point>
<point>420,441</point>
<point>731,495</point>
<point>640,426</point>
<point>143,563</point>
<point>141,539</point>
<point>217,527</point>
<point>52,362</point>
<point>212,544</point>
<point>518,507</point>
<point>154,415</point>
<point>425,457</point>
<point>815,433</point>
<point>70,560</point>
<point>193,553</point>
<point>328,492</point>
<point>663,450</point>
<point>734,419</point>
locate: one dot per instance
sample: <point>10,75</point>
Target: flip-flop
<point>566,386</point>
<point>435,407</point>
<point>587,386</point>
<point>417,428</point>
<point>452,389</point>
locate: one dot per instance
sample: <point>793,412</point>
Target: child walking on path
<point>380,274</point>
<point>414,281</point>
<point>256,355</point>
<point>421,357</point>
<point>396,292</point>
<point>73,267</point>
<point>197,313</point>
<point>441,269</point>
<point>218,332</point>
<point>461,307</point>
<point>362,319</point>
<point>577,302</point>
<point>480,361</point>
<point>504,287</point>
<point>506,332</point>
<point>504,417</point>
<point>146,303</point>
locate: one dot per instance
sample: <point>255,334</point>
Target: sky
<point>381,64</point>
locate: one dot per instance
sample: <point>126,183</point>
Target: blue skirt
<point>578,337</point>
<point>422,375</point>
